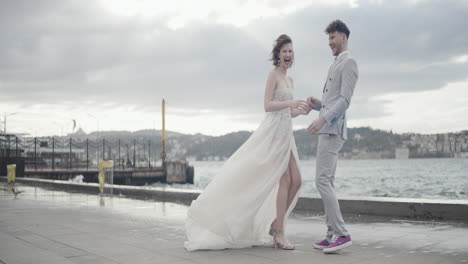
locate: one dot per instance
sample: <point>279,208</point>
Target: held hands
<point>300,106</point>
<point>318,123</point>
<point>304,111</point>
<point>315,126</point>
<point>311,101</point>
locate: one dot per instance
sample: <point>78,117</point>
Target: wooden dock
<point>175,172</point>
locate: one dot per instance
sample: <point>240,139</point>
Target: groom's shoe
<point>322,244</point>
<point>339,243</point>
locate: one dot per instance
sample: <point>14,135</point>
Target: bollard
<point>11,176</point>
<point>106,174</point>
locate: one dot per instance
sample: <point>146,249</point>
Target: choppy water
<point>413,178</point>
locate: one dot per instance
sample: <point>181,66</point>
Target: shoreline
<point>407,208</point>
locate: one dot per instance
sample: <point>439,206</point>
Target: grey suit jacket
<point>337,93</point>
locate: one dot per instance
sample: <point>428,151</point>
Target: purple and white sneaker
<point>322,244</point>
<point>338,243</point>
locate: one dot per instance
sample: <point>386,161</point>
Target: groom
<point>331,129</point>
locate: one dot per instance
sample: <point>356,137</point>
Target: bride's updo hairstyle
<point>279,43</point>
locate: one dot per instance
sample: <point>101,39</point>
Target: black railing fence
<point>77,154</point>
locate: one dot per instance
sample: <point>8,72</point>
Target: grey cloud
<point>61,50</point>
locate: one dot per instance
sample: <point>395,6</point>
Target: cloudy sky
<point>109,63</point>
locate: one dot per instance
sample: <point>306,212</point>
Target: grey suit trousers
<point>327,155</point>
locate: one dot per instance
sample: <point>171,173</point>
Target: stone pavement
<point>46,226</point>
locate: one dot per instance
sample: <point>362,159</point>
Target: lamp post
<point>4,121</point>
<point>163,135</point>
<point>4,129</point>
<point>97,122</point>
<point>97,151</point>
<point>60,125</point>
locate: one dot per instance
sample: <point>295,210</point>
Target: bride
<point>257,187</point>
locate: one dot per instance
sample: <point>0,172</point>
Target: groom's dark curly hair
<point>338,26</point>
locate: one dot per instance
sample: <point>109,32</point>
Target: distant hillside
<point>363,142</point>
<point>147,133</point>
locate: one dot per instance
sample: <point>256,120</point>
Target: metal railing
<point>81,154</point>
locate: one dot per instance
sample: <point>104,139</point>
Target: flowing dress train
<point>237,207</point>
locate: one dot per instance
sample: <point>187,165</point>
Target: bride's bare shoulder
<point>272,73</point>
<point>291,80</point>
<point>273,76</point>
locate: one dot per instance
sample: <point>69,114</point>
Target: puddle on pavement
<point>114,204</point>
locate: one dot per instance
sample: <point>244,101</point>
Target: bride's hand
<point>299,104</point>
<point>304,111</point>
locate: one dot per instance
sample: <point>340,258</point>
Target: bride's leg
<point>294,183</point>
<point>281,209</point>
<point>296,180</point>
<point>294,186</point>
<point>281,200</point>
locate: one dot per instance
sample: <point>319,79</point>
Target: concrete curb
<point>422,209</point>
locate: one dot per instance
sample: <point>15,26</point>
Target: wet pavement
<point>47,226</point>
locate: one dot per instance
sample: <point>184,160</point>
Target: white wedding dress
<point>238,206</point>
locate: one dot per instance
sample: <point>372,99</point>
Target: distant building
<point>401,153</point>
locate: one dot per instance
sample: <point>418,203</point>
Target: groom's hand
<point>311,101</point>
<point>315,126</point>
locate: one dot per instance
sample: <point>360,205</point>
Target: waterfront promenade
<point>49,226</point>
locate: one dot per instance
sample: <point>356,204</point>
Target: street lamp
<point>97,151</point>
<point>60,125</point>
<point>97,122</point>
<point>4,121</point>
<point>4,129</point>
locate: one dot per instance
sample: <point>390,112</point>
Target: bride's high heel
<point>272,231</point>
<point>277,244</point>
